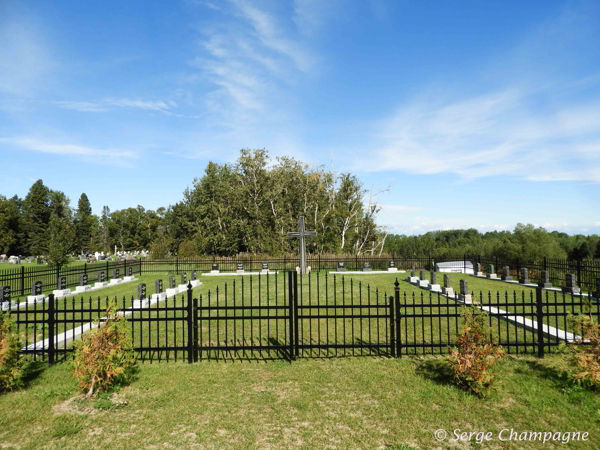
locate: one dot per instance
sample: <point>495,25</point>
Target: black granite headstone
<point>5,294</point>
<point>101,277</point>
<point>341,266</point>
<point>433,277</point>
<point>571,287</point>
<point>193,274</point>
<point>62,283</point>
<point>130,271</point>
<point>183,278</point>
<point>422,274</point>
<point>159,286</point>
<point>265,266</point>
<point>506,275</point>
<point>116,273</point>
<point>239,267</point>
<point>36,288</point>
<point>83,279</point>
<point>215,266</point>
<point>171,281</point>
<point>141,291</point>
<point>367,266</point>
<point>391,264</point>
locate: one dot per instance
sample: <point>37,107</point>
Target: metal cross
<point>301,233</point>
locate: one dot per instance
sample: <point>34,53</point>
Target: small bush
<point>583,354</point>
<point>187,249</point>
<point>12,366</point>
<point>159,249</point>
<point>104,357</point>
<point>475,353</point>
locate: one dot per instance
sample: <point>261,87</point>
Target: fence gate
<point>247,320</point>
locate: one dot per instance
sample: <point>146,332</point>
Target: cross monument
<point>301,233</point>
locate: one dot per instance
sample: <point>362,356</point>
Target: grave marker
<point>101,277</point>
<point>239,268</point>
<point>264,267</point>
<point>464,292</point>
<point>5,294</point>
<point>524,278</point>
<point>193,274</point>
<point>392,266</point>
<point>422,274</point>
<point>491,271</point>
<point>172,282</point>
<point>214,268</point>
<point>302,234</point>
<point>433,277</point>
<point>597,292</point>
<point>544,279</point>
<point>341,266</point>
<point>367,266</point>
<point>141,291</point>
<point>83,279</point>
<point>183,278</point>
<point>159,286</point>
<point>478,271</point>
<point>447,289</point>
<point>506,275</point>
<point>130,271</point>
<point>571,287</point>
<point>62,283</point>
<point>36,288</point>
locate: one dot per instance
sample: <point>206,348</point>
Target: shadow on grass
<point>437,370</point>
<point>33,370</point>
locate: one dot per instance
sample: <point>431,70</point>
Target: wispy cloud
<point>103,156</point>
<point>112,103</point>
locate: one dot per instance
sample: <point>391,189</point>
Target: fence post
<point>85,268</point>
<point>107,274</point>
<point>540,321</point>
<point>397,308</point>
<point>125,266</point>
<point>195,308</point>
<point>579,272</point>
<point>190,324</point>
<point>51,325</point>
<point>465,263</point>
<point>296,328</point>
<point>22,280</point>
<point>177,265</point>
<point>291,313</point>
<point>392,327</point>
<point>545,263</point>
<point>57,276</point>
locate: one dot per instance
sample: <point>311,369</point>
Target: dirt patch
<point>76,405</point>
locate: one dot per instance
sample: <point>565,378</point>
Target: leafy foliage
<point>12,366</point>
<point>104,357</point>
<point>583,354</point>
<point>61,239</point>
<point>474,353</point>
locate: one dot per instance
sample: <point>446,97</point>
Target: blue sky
<point>474,114</point>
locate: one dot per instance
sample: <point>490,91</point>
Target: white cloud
<point>102,156</point>
<point>112,103</point>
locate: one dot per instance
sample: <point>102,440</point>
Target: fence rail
<point>287,316</point>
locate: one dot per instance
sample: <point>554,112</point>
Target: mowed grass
<point>347,403</point>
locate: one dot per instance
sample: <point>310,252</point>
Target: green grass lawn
<point>348,403</point>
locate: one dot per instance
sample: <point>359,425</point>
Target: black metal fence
<point>20,279</point>
<point>286,315</point>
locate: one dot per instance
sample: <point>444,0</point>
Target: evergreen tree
<point>36,216</point>
<point>61,240</point>
<point>83,223</point>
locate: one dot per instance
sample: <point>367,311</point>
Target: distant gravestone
<point>159,286</point>
<point>447,281</point>
<point>38,260</point>
<point>477,270</point>
<point>116,273</point>
<point>597,292</point>
<point>506,275</point>
<point>239,268</point>
<point>183,278</point>
<point>83,279</point>
<point>422,274</point>
<point>62,283</point>
<point>367,266</point>
<point>36,288</point>
<point>491,271</point>
<point>141,291</point>
<point>433,277</point>
<point>101,277</point>
<point>172,282</point>
<point>130,271</point>
<point>193,274</point>
<point>5,294</point>
<point>571,287</point>
<point>524,276</point>
<point>413,272</point>
<point>341,266</point>
<point>391,264</point>
<point>544,279</point>
<point>464,292</point>
<point>215,267</point>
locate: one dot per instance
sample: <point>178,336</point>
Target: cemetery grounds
<point>260,399</point>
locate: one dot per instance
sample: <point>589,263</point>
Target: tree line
<point>525,241</point>
<point>245,207</point>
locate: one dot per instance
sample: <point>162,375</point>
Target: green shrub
<point>12,366</point>
<point>104,357</point>
<point>187,249</point>
<point>475,353</point>
<point>583,354</point>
